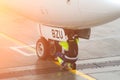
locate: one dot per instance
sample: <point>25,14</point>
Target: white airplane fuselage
<point>71,14</point>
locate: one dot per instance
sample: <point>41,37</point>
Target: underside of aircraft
<point>63,22</point>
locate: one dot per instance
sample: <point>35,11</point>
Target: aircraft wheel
<point>42,48</point>
<point>73,66</point>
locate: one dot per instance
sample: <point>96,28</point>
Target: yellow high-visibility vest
<point>65,45</point>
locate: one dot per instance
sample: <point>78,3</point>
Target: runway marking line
<point>18,49</point>
<point>16,41</point>
<point>23,50</point>
<point>85,76</point>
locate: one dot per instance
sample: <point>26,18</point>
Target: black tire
<point>42,48</point>
<point>73,66</point>
<point>73,49</point>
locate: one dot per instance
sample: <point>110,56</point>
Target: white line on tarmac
<point>98,60</point>
<point>17,49</point>
<point>100,69</point>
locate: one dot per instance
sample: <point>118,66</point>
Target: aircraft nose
<point>116,2</point>
<point>100,6</point>
<point>97,12</point>
<point>113,6</point>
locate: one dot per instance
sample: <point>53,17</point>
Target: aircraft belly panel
<point>72,14</point>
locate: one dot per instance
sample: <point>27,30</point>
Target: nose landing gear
<point>42,48</point>
<point>68,57</point>
<point>58,40</point>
